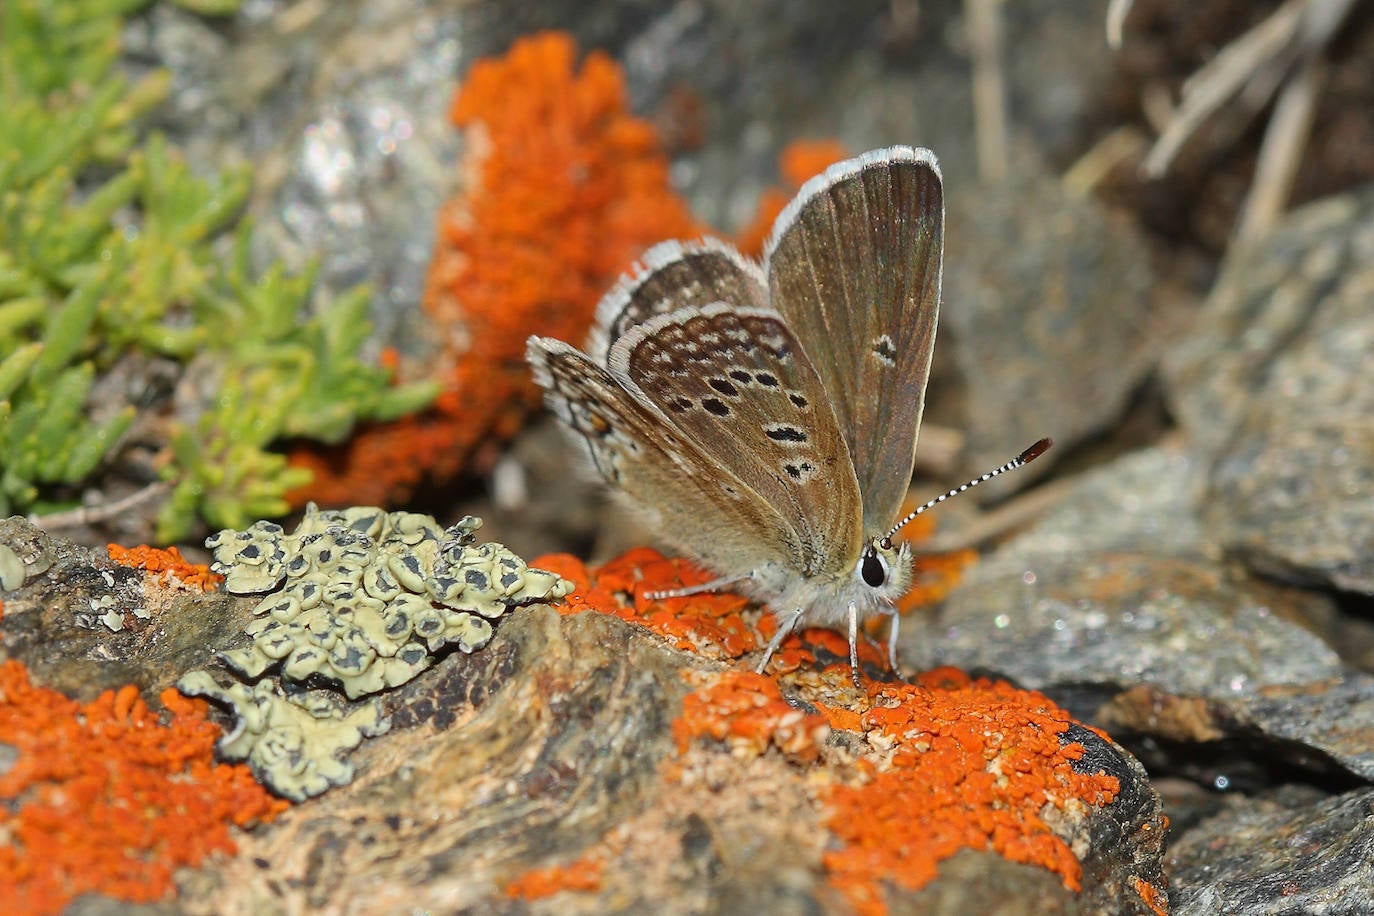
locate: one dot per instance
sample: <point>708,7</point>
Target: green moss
<point>106,253</point>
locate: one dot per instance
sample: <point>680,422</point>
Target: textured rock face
<point>557,745</point>
<point>1292,852</point>
<point>587,759</point>
<point>1205,600</point>
<point>530,751</point>
<point>1194,598</point>
<point>1274,386</point>
<point>1055,294</point>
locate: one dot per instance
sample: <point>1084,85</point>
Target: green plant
<point>109,248</point>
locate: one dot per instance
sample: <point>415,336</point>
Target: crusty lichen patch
<point>292,742</point>
<point>12,572</point>
<point>361,598</point>
<point>364,597</point>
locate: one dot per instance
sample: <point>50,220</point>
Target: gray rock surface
<point>1290,853</point>
<point>1114,587</point>
<point>1047,316</point>
<point>559,740</point>
<point>556,743</point>
<point>341,110</point>
<point>59,621</point>
<point>1274,386</point>
<point>1118,604</point>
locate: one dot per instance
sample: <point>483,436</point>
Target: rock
<point>557,744</point>
<point>1114,588</point>
<point>1116,604</point>
<point>84,624</point>
<point>1112,605</point>
<point>342,111</point>
<point>1046,296</point>
<point>1290,853</point>
<point>534,748</point>
<point>1273,385</point>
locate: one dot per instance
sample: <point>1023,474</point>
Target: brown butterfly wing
<point>736,381</point>
<point>675,275</point>
<point>682,489</point>
<point>854,269</point>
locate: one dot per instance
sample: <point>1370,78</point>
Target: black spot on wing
<point>785,434</point>
<point>885,350</point>
<point>715,406</point>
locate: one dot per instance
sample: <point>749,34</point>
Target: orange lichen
<point>537,883</point>
<point>952,763</point>
<point>563,190</point>
<point>167,567</point>
<point>568,567</point>
<point>722,625</point>
<point>748,712</point>
<point>800,161</point>
<point>1152,896</point>
<point>936,574</point>
<point>710,624</point>
<point>104,799</point>
<point>959,764</point>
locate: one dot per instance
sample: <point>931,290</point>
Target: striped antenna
<point>1026,457</point>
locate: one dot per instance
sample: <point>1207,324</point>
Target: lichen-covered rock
<point>684,789</point>
<point>293,743</point>
<point>365,597</point>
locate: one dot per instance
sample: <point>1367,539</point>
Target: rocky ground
<point>1190,569</point>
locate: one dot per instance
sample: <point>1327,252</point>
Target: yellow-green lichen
<point>12,572</point>
<point>364,598</point>
<point>293,743</point>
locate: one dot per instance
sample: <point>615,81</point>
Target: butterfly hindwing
<point>687,494</point>
<point>736,380</point>
<point>675,275</point>
<point>854,269</point>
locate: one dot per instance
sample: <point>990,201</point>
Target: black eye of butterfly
<point>872,570</point>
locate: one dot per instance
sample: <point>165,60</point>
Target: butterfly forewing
<point>736,380</point>
<point>854,269</point>
<point>687,494</point>
<point>675,275</point>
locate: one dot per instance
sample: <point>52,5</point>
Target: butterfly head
<point>884,569</point>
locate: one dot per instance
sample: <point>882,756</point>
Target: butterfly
<point>763,416</point>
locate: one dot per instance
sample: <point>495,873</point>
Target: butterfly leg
<point>785,627</point>
<point>854,646</point>
<point>715,585</point>
<point>892,643</point>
